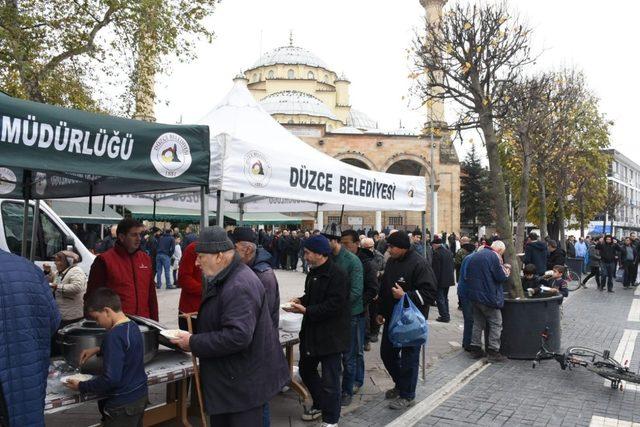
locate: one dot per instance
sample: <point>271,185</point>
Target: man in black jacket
<point>405,272</point>
<point>443,270</point>
<point>536,253</point>
<point>608,255</point>
<point>557,256</point>
<point>325,329</point>
<point>350,240</point>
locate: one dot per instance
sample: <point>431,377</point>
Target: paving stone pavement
<point>444,340</point>
<point>514,394</point>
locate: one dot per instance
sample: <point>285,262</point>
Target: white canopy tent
<point>252,154</point>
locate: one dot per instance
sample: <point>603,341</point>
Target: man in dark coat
<point>443,269</point>
<point>294,249</point>
<point>609,255</point>
<point>325,329</point>
<point>29,317</point>
<point>242,365</point>
<point>536,253</point>
<point>258,260</point>
<point>557,256</point>
<point>405,272</point>
<point>484,280</point>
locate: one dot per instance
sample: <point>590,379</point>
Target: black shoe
<point>373,338</point>
<point>367,346</point>
<point>495,356</point>
<point>346,399</point>
<point>443,320</point>
<point>311,414</point>
<point>475,352</point>
<point>392,393</point>
<point>610,291</point>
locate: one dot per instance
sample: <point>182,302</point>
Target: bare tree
<point>472,56</point>
<point>526,113</point>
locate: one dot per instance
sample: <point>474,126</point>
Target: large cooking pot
<point>85,334</point>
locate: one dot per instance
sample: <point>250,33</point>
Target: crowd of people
<point>353,281</point>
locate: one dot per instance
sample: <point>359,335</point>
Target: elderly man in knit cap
<point>406,272</point>
<point>258,259</point>
<point>242,365</point>
<point>325,330</point>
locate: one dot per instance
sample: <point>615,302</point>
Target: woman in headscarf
<point>69,283</point>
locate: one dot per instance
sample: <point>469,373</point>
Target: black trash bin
<point>524,320</point>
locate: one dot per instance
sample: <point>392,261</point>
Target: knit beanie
<point>318,244</point>
<point>245,234</point>
<point>399,239</point>
<point>213,240</point>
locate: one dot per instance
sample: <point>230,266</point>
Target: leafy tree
<point>472,56</point>
<point>475,197</point>
<point>59,51</point>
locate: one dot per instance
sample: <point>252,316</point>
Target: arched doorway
<point>356,162</point>
<point>407,167</point>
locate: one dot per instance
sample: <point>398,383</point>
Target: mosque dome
<point>293,102</point>
<point>289,55</point>
<point>360,120</point>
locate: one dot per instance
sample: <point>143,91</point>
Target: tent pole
<point>341,215</point>
<point>34,229</point>
<point>219,207</point>
<point>26,191</point>
<point>241,208</point>
<point>154,212</point>
<point>424,252</point>
<point>204,208</point>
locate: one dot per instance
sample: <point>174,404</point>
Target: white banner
<point>263,158</point>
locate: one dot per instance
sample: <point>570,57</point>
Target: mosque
<point>306,96</point>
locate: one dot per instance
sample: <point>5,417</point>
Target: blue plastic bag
<point>408,327</point>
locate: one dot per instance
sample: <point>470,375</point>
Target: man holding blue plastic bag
<point>407,274</point>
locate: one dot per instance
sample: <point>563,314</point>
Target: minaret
<point>433,14</point>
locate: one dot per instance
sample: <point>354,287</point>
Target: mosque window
<point>291,74</point>
<point>290,121</point>
<point>255,77</point>
<point>326,78</point>
<point>310,75</point>
<point>271,75</point>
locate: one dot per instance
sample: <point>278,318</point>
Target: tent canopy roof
<point>53,152</point>
<point>79,213</point>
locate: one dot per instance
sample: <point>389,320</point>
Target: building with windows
<point>306,96</point>
<point>624,175</point>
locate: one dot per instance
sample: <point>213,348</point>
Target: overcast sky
<point>367,40</point>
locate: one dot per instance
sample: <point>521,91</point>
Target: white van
<point>53,235</point>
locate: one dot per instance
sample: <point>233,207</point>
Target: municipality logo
<point>171,155</point>
<point>257,169</point>
<point>7,181</point>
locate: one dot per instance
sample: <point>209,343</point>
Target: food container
<point>291,322</point>
<point>86,334</point>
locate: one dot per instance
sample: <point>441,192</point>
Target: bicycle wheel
<point>586,355</point>
<point>614,373</point>
<point>573,280</point>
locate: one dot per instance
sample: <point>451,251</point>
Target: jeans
<point>353,360</point>
<point>402,363</point>
<point>305,265</point>
<point>628,273</point>
<point>595,272</point>
<point>467,314</point>
<point>325,389</point>
<point>607,273</point>
<point>163,261</point>
<point>483,317</point>
<point>127,415</point>
<point>442,299</point>
<point>266,415</point>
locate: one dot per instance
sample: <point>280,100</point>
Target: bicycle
<point>600,363</point>
<point>573,280</point>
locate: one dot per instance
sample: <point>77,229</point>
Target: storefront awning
<point>78,213</point>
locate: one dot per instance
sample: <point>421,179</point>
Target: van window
<point>49,238</point>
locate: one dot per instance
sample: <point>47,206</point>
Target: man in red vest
<point>127,271</point>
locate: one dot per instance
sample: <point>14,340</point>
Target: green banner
<point>71,153</point>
